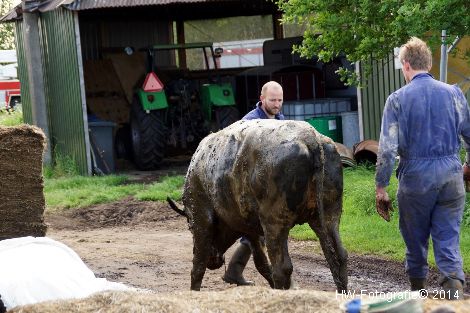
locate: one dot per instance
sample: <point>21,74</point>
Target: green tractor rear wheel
<point>148,134</point>
<point>224,116</point>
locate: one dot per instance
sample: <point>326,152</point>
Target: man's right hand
<point>466,176</point>
<point>466,172</point>
<point>383,203</point>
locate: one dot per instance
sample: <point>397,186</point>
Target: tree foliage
<point>369,28</point>
<point>7,35</point>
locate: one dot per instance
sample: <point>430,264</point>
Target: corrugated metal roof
<point>99,4</point>
<point>10,16</point>
<point>40,5</point>
<point>78,5</point>
<point>49,5</point>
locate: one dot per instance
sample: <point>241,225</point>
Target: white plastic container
<point>350,124</point>
<point>303,110</point>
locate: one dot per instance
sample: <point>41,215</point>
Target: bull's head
<point>216,259</point>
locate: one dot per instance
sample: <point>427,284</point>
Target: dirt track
<point>147,245</point>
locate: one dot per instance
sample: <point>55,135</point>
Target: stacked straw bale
<point>21,184</point>
<point>234,300</point>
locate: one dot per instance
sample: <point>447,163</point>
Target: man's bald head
<point>271,98</point>
<point>271,85</point>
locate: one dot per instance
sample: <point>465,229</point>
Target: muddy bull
<point>258,179</point>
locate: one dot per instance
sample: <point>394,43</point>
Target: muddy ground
<point>147,245</point>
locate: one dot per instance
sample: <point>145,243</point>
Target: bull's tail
<point>176,207</point>
<point>319,182</point>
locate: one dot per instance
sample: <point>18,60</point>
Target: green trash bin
<point>329,126</point>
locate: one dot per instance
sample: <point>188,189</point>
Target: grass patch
<point>67,192</point>
<point>364,232</point>
<point>11,118</point>
<point>64,166</point>
<point>359,190</point>
<point>80,191</point>
<point>170,186</point>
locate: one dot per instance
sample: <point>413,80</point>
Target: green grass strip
<point>169,186</point>
<point>81,191</point>
<point>11,119</point>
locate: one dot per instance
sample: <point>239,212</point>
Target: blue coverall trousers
<point>431,199</point>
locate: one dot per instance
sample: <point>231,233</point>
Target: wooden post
<point>181,40</point>
<point>278,29</point>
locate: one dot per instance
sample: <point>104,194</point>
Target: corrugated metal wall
<point>383,81</point>
<point>62,82</point>
<point>23,74</point>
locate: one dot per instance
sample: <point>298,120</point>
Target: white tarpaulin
<point>35,269</point>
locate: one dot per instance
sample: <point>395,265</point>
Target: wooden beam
<point>278,29</point>
<point>181,40</point>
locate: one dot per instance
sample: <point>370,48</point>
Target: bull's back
<point>251,161</point>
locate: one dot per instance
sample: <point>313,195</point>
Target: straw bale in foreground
<point>236,300</point>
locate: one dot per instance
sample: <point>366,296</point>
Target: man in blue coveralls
<point>422,123</point>
<point>269,106</point>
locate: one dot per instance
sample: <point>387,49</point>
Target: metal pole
<point>36,79</point>
<point>443,67</point>
<point>82,93</point>
<point>359,103</point>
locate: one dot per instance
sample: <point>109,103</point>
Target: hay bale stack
<point>21,184</point>
<point>236,300</point>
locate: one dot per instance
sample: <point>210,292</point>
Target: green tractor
<point>176,112</point>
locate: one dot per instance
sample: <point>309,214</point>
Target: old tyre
<point>148,133</point>
<point>224,116</point>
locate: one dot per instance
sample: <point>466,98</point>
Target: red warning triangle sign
<point>152,83</point>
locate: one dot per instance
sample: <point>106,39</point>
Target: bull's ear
<point>176,207</point>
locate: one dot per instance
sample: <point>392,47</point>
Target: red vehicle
<point>10,93</point>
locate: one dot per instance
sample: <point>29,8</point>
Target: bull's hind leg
<point>276,242</point>
<point>203,230</point>
<point>261,259</point>
<point>335,254</point>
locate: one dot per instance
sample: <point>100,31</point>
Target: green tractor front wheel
<point>148,134</point>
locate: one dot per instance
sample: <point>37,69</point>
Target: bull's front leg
<point>276,243</point>
<point>261,259</point>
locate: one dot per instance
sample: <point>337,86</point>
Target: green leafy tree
<point>362,29</point>
<point>7,35</point>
